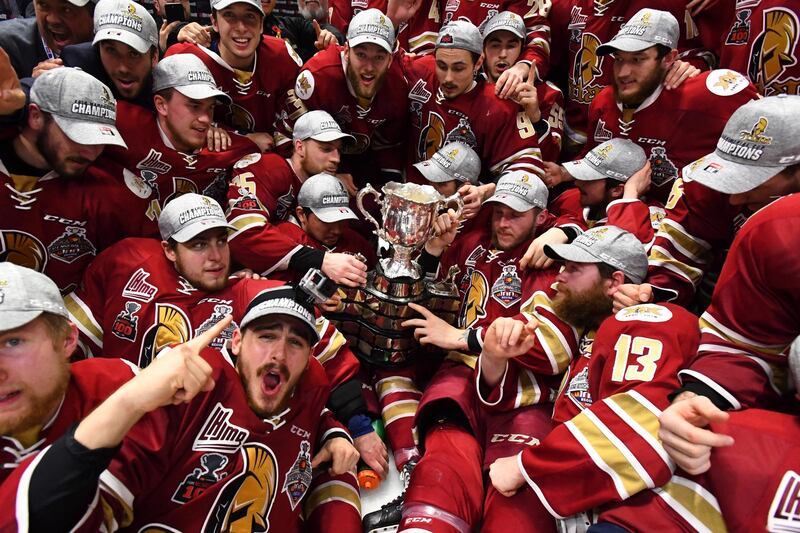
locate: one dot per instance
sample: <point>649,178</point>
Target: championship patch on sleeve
<point>137,183</point>
<point>644,313</point>
<point>304,86</point>
<point>247,160</point>
<point>293,54</point>
<point>726,82</point>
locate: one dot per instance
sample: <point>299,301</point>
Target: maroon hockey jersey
<point>257,95</point>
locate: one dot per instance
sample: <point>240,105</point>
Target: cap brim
<point>225,3</point>
<point>569,252</point>
<point>199,226</point>
<point>728,177</point>
<point>583,171</point>
<point>334,214</point>
<point>89,133</point>
<point>202,91</point>
<point>510,30</point>
<point>624,44</point>
<point>433,172</point>
<point>16,319</point>
<point>80,3</point>
<point>329,136</point>
<point>268,308</point>
<point>362,39</point>
<point>123,36</point>
<point>514,202</point>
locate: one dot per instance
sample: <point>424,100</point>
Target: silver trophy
<point>408,211</point>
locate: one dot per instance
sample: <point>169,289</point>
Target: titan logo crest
<point>756,134</point>
<point>586,69</point>
<point>246,500</point>
<point>171,327</point>
<point>473,308</point>
<point>22,249</point>
<point>773,49</point>
<point>240,118</point>
<point>431,138</point>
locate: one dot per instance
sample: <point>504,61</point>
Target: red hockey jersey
<point>754,314</point>
<point>594,22</point>
<point>502,135</point>
<point>379,126</point>
<point>258,95</point>
<point>154,172</point>
<point>698,111</point>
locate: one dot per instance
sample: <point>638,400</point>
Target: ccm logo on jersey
<point>518,438</point>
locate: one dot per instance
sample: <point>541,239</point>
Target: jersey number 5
<point>648,351</point>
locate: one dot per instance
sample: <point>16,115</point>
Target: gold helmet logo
<point>452,153</point>
<point>131,9</point>
<point>473,307</point>
<point>604,151</point>
<point>172,326</point>
<point>431,138</point>
<point>22,249</point>
<point>587,63</point>
<point>773,49</point>
<point>646,18</point>
<point>756,134</point>
<point>244,503</point>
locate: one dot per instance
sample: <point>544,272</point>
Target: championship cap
<point>508,21</point>
<point>618,159</point>
<point>453,161</point>
<point>759,140</point>
<point>521,191</point>
<point>188,215</point>
<point>646,28</point>
<point>126,22</point>
<point>327,198</point>
<point>188,75</point>
<point>81,3</point>
<point>218,5</point>
<point>320,126</point>
<point>82,106</point>
<point>460,34</point>
<point>371,26</point>
<point>25,294</point>
<point>277,299</point>
<point>605,244</point>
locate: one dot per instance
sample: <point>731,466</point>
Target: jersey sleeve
<point>334,353</point>
<point>518,387</point>
<point>754,314</point>
<point>633,216</point>
<point>611,450</point>
<point>537,48</point>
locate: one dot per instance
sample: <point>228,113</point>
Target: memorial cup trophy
<point>370,317</point>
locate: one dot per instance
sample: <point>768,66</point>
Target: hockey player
<point>633,108</point>
<point>167,154</point>
<point>603,449</point>
<point>705,212</point>
<point>254,70</point>
<point>251,433</point>
<point>363,89</point>
<point>70,121</point>
<point>264,192</point>
<point>457,437</point>
<point>447,105</point>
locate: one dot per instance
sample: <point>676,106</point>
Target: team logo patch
<point>304,85</point>
<point>153,162</point>
<point>431,137</point>
<point>138,287</point>
<point>663,169</point>
<point>586,69</point>
<point>284,204</point>
<point>601,133</point>
<point>247,160</point>
<point>124,326</point>
<point>298,478</point>
<point>240,118</point>
<point>219,313</point>
<point>507,289</point>
<point>171,327</point>
<point>578,389</point>
<point>246,500</point>
<point>756,133</point>
<point>22,249</point>
<point>473,308</point>
<point>419,93</point>
<point>219,434</point>
<point>644,313</point>
<point>723,82</point>
<point>675,194</point>
<point>71,245</point>
<point>201,478</point>
<point>783,513</point>
<point>774,48</point>
<point>247,201</point>
<point>462,133</point>
<point>136,184</point>
<point>740,31</point>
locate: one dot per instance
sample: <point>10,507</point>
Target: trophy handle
<point>455,198</point>
<point>360,203</point>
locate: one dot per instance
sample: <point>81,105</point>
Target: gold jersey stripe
<point>332,491</point>
<point>399,409</point>
<point>687,244</point>
<point>81,315</point>
<point>660,257</point>
<point>395,384</point>
<point>696,505</point>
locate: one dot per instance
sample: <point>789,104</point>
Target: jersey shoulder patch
<point>644,313</point>
<point>726,82</point>
<point>247,160</point>
<point>304,86</point>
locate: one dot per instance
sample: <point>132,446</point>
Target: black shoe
<point>387,518</point>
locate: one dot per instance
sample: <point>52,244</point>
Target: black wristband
<point>427,262</point>
<point>701,389</point>
<point>305,259</point>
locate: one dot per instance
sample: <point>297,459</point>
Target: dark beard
<point>649,86</point>
<point>585,309</point>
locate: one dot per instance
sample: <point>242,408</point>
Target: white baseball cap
<point>126,22</point>
<point>327,198</point>
<point>371,26</point>
<point>188,75</point>
<point>320,126</point>
<point>25,294</point>
<point>189,215</point>
<point>521,191</point>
